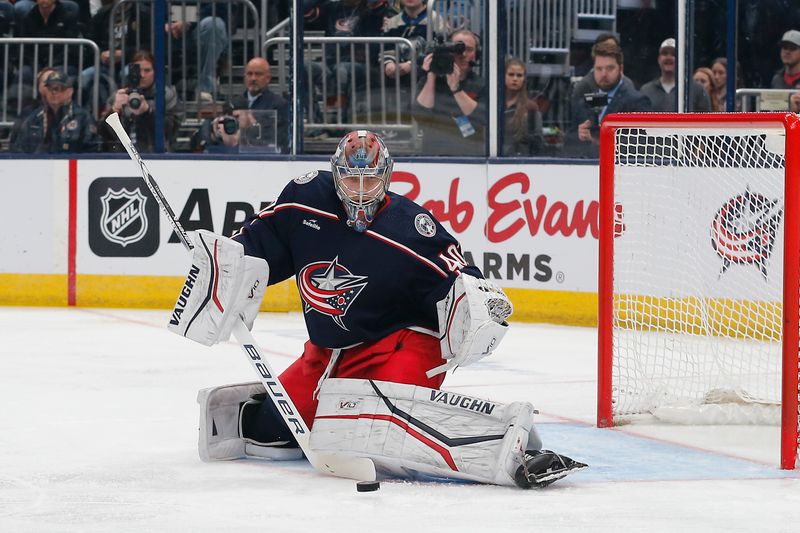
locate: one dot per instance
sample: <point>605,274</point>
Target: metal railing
<point>369,100</point>
<point>540,27</point>
<point>458,15</point>
<point>764,99</point>
<point>605,9</point>
<point>15,65</point>
<point>595,11</point>
<point>281,29</point>
<point>187,11</point>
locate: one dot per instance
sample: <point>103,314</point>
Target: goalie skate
<point>543,467</point>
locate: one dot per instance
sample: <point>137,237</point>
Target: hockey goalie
<point>390,305</point>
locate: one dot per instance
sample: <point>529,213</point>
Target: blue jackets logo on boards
<point>744,230</point>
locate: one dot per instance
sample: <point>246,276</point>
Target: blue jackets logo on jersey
<point>329,288</point>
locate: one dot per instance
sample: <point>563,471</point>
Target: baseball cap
<point>58,77</point>
<point>791,36</point>
<point>667,43</point>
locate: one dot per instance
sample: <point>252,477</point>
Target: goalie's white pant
<point>411,431</point>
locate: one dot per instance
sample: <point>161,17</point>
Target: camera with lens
<point>230,124</point>
<point>596,100</point>
<point>444,56</point>
<point>135,98</point>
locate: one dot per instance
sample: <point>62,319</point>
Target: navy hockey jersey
<point>355,287</point>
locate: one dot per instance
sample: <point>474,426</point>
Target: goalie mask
<point>362,169</point>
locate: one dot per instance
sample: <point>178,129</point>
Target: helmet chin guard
<point>362,169</point>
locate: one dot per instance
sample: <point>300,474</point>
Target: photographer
<point>450,103</point>
<point>613,96</point>
<point>412,24</point>
<point>223,134</point>
<point>135,104</point>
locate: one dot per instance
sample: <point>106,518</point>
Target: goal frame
<point>790,122</point>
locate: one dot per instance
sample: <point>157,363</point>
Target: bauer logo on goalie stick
<point>123,218</point>
<point>744,230</point>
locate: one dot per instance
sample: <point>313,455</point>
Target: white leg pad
<point>219,437</point>
<point>417,432</point>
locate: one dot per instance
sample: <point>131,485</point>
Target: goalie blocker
<point>406,430</point>
<point>222,285</point>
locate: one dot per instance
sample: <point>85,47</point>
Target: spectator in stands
<point>451,108</point>
<point>794,103</point>
<point>258,97</point>
<point>41,84</point>
<point>209,38</point>
<point>346,65</point>
<point>57,126</point>
<point>41,90</point>
<point>131,27</point>
<point>522,135</point>
<point>49,19</point>
<point>789,76</point>
<point>613,96</point>
<point>135,105</point>
<point>79,8</point>
<point>223,134</point>
<point>412,24</point>
<point>587,85</point>
<point>705,78</point>
<point>719,68</point>
<point>312,15</point>
<point>663,92</point>
<point>6,18</point>
<point>34,102</point>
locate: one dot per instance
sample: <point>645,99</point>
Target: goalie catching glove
<point>472,321</point>
<point>223,284</point>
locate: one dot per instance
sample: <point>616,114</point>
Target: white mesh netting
<point>698,275</point>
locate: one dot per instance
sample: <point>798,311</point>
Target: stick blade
<point>357,468</point>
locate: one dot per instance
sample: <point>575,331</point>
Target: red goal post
<point>698,312</point>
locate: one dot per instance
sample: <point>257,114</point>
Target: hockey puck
<point>368,486</point>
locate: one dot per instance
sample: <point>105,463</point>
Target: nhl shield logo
<point>123,220</point>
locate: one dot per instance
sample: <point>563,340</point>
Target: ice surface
<point>98,431</point>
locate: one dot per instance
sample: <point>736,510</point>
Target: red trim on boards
<point>72,225</point>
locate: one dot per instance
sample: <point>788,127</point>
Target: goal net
<point>698,270</point>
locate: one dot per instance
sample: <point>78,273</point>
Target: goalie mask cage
<point>698,277</point>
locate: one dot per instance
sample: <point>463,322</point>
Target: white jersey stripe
<point>407,250</point>
<point>269,211</point>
